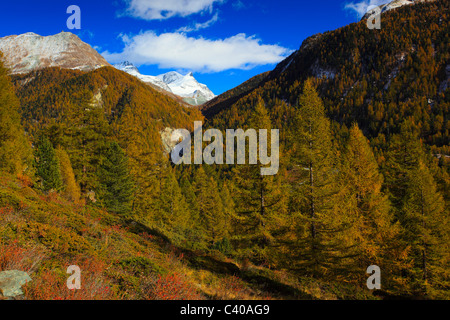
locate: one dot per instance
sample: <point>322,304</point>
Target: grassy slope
<point>119,259</point>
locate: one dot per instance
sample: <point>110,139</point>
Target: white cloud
<point>199,26</point>
<point>164,9</point>
<point>178,51</point>
<point>361,8</point>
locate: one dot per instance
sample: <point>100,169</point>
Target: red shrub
<point>52,285</point>
<point>6,210</point>
<point>15,257</point>
<point>24,180</point>
<point>172,287</point>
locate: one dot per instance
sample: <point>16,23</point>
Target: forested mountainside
<point>376,78</point>
<point>229,97</point>
<point>363,177</point>
<point>84,112</point>
<point>53,93</point>
<point>388,88</point>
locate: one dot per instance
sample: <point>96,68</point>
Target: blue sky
<point>224,42</point>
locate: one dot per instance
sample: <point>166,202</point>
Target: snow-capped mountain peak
<point>170,77</point>
<point>185,86</point>
<point>126,66</point>
<point>131,69</point>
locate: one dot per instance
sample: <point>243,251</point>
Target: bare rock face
<point>170,138</point>
<point>28,52</point>
<point>11,283</point>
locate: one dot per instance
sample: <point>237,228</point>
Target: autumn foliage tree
<point>426,229</point>
<point>258,198</point>
<point>211,215</point>
<point>369,209</point>
<point>71,189</point>
<point>318,247</point>
<point>15,150</point>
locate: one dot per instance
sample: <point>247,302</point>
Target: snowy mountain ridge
<point>391,6</point>
<point>132,70</point>
<point>185,86</point>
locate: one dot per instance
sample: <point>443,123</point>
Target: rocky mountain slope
<point>28,52</point>
<point>393,5</point>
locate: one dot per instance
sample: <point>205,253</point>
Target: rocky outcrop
<point>11,283</point>
<point>28,52</point>
<point>170,138</point>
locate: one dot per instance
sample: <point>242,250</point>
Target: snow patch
<point>320,72</point>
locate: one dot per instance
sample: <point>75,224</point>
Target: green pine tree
<point>47,166</point>
<point>116,183</point>
<point>148,165</point>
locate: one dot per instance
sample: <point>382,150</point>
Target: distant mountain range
<point>185,86</point>
<point>29,52</point>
